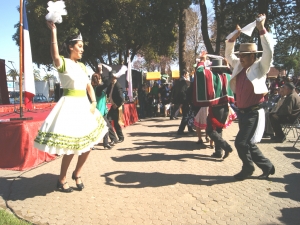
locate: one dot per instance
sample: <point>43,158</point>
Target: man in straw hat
<point>248,83</point>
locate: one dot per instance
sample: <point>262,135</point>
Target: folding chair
<point>297,128</point>
<point>287,127</point>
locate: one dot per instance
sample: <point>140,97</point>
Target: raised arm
<point>229,55</point>
<point>54,46</point>
<point>267,56</point>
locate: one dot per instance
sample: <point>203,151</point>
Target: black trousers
<point>173,110</point>
<point>111,133</point>
<point>249,153</point>
<point>113,115</point>
<point>184,119</point>
<point>275,123</point>
<point>221,114</point>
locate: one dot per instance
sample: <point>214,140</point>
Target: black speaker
<point>137,79</point>
<point>58,92</point>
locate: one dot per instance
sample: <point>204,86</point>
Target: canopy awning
<point>175,74</point>
<point>153,76</point>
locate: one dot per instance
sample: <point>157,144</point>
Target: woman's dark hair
<point>65,50</point>
<point>95,79</point>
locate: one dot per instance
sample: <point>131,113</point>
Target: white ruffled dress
<point>71,128</point>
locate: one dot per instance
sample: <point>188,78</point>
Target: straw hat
<point>247,48</point>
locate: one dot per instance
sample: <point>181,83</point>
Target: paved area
<point>157,177</point>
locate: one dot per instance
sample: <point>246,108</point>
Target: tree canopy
<point>112,29</point>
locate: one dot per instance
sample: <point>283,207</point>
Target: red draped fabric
<point>17,137</point>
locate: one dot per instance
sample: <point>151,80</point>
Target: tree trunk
<point>220,19</point>
<point>182,39</point>
<point>204,27</point>
<point>109,57</point>
<point>263,6</point>
<point>120,57</point>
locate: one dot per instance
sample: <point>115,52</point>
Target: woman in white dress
<point>200,124</point>
<point>73,126</point>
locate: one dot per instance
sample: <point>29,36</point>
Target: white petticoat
<point>71,128</point>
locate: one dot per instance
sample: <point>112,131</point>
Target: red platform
<point>17,137</point>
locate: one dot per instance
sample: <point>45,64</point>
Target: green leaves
<point>111,28</point>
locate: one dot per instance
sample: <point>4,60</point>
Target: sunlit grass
<point>9,219</point>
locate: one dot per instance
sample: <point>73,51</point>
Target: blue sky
<point>9,16</point>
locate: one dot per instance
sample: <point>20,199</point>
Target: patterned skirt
<point>71,128</point>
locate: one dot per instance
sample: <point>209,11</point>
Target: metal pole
<point>21,58</point>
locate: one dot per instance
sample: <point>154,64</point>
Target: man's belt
<point>250,109</point>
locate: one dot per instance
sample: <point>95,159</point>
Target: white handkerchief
<point>121,71</point>
<point>231,34</point>
<point>215,56</point>
<point>249,28</point>
<point>260,128</point>
<point>56,10</point>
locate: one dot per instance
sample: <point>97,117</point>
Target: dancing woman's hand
<point>51,25</point>
<point>93,107</point>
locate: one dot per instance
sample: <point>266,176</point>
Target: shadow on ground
<point>175,145</point>
<point>287,149</point>
<point>150,157</point>
<point>166,125</point>
<point>290,216</point>
<point>40,185</point>
<point>173,135</point>
<point>127,179</point>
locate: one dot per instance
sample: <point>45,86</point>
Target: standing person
<point>73,126</point>
<point>99,88</point>
<point>115,95</point>
<point>180,96</point>
<point>142,97</point>
<point>248,82</point>
<point>216,95</point>
<point>200,122</point>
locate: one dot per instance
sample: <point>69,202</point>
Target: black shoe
<point>279,140</point>
<point>79,186</point>
<point>112,143</point>
<point>200,142</point>
<point>242,175</point>
<point>192,130</point>
<point>172,118</point>
<point>266,175</point>
<point>181,133</point>
<point>61,188</point>
<point>227,153</point>
<point>120,140</point>
<point>216,155</point>
<point>107,146</point>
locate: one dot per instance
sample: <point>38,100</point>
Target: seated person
<point>273,99</point>
<point>286,113</point>
<point>268,128</point>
